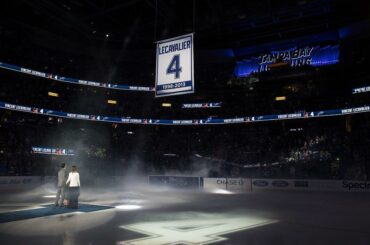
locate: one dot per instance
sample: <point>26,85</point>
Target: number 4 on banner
<point>174,66</point>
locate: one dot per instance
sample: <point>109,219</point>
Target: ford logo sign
<point>280,183</point>
<point>260,183</point>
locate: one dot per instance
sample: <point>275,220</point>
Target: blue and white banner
<point>202,105</point>
<point>361,90</point>
<point>74,80</point>
<point>210,120</point>
<point>52,151</point>
<point>175,66</point>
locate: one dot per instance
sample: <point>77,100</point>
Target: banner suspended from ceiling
<point>175,66</point>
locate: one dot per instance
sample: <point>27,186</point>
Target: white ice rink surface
<point>178,217</point>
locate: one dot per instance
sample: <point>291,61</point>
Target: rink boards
<point>13,183</point>
<point>251,184</point>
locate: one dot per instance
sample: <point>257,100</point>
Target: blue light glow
<point>313,56</point>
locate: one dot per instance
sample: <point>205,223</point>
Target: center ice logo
<point>200,230</point>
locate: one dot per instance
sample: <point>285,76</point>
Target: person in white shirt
<point>74,188</point>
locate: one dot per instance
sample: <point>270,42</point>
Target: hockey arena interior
<point>184,122</point>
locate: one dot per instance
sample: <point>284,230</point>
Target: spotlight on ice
<point>49,196</point>
<point>221,191</point>
<point>128,207</point>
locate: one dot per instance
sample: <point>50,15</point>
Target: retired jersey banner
<point>175,66</point>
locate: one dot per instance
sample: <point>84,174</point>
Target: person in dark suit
<point>62,176</point>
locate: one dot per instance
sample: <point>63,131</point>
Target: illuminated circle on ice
<point>49,196</point>
<point>128,207</point>
<point>221,191</point>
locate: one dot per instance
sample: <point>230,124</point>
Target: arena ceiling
<point>136,24</point>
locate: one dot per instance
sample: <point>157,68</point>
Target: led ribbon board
<point>310,55</point>
<point>52,151</point>
<point>73,80</point>
<point>201,105</point>
<point>210,120</point>
<point>175,66</point>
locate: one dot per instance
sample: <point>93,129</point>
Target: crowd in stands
<point>310,151</point>
<point>323,148</point>
<point>15,153</point>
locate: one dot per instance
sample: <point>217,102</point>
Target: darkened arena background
<point>189,122</point>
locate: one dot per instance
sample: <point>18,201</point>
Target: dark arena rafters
<point>184,122</point>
